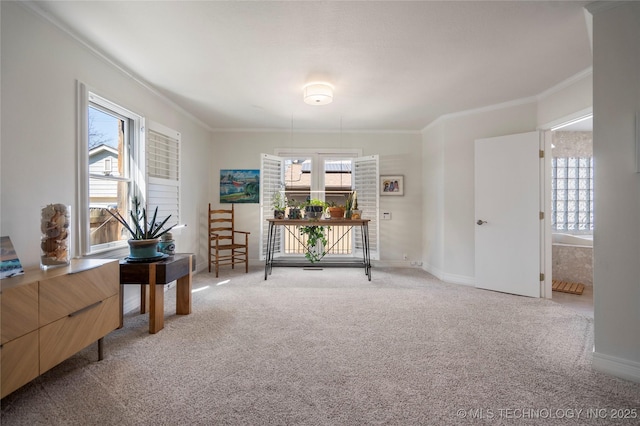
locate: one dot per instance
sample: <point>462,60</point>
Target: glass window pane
<point>106,195</point>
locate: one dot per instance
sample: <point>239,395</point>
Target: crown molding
<point>316,131</point>
<point>487,108</point>
<point>516,102</point>
<point>601,6</point>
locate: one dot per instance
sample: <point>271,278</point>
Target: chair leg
<point>209,258</point>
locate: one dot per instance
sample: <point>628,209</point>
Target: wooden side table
<point>178,267</point>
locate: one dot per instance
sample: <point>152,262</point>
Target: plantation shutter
<point>271,180</point>
<point>365,183</point>
<point>163,172</point>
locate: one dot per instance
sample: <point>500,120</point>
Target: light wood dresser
<point>47,316</point>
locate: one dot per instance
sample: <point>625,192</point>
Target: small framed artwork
<point>392,185</point>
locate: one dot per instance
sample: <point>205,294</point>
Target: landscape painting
<point>239,186</point>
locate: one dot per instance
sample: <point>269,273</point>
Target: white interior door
<point>507,214</point>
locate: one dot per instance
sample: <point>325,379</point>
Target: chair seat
<point>230,246</point>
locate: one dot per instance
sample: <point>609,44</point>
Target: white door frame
<point>546,289</point>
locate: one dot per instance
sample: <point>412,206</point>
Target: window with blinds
<point>271,181</point>
<point>163,171</point>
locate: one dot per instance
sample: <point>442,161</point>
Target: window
<point>324,175</point>
<point>110,143</point>
<point>572,194</point>
<point>120,163</point>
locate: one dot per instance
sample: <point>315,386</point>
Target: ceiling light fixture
<point>318,93</point>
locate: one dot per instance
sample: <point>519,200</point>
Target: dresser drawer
<point>63,295</point>
<point>19,307</point>
<point>19,360</point>
<point>66,336</point>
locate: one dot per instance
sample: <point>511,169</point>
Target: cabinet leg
<point>101,349</point>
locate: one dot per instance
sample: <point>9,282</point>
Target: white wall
<point>40,66</point>
<point>400,154</point>
<point>450,142</point>
<point>433,202</point>
<point>616,93</point>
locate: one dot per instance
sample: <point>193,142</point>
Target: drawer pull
<point>86,308</point>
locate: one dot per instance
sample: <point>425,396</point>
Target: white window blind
<point>271,180</point>
<point>365,182</point>
<point>163,171</point>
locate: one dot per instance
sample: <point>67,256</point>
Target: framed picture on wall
<point>239,186</point>
<point>392,185</point>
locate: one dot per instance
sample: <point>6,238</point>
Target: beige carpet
<point>328,347</point>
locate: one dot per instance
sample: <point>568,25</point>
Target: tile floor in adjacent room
<point>582,303</point>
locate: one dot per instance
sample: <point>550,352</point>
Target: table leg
<point>183,293</point>
<point>121,306</point>
<point>156,302</point>
<point>144,299</point>
<point>267,262</point>
<point>365,248</point>
<point>101,349</point>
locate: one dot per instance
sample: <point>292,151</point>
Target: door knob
<point>480,222</point>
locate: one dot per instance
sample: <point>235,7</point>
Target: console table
<point>47,316</point>
<point>178,267</point>
<point>288,224</point>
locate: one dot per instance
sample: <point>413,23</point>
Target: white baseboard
<point>394,264</point>
<point>450,278</point>
<point>459,279</point>
<point>619,367</point>
<point>433,271</point>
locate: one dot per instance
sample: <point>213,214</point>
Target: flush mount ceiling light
<point>318,93</point>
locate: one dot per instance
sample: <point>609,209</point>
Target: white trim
<point>288,131</point>
<point>83,239</point>
<point>567,118</point>
<point>487,108</point>
<point>565,83</point>
<point>516,102</point>
<point>459,279</point>
<point>619,367</point>
<point>433,271</point>
<point>601,6</point>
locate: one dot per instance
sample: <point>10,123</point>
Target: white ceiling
<point>395,65</point>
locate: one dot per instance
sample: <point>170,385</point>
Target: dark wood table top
<point>168,269</point>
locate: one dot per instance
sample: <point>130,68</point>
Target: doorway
<point>572,214</point>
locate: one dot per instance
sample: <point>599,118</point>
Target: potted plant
<point>355,212</point>
<point>145,235</point>
<point>279,203</point>
<point>316,242</point>
<point>352,201</point>
<point>294,209</point>
<point>335,211</point>
<point>314,208</point>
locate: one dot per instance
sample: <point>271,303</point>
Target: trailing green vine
<point>314,235</point>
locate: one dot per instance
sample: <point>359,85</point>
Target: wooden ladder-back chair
<point>226,245</point>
